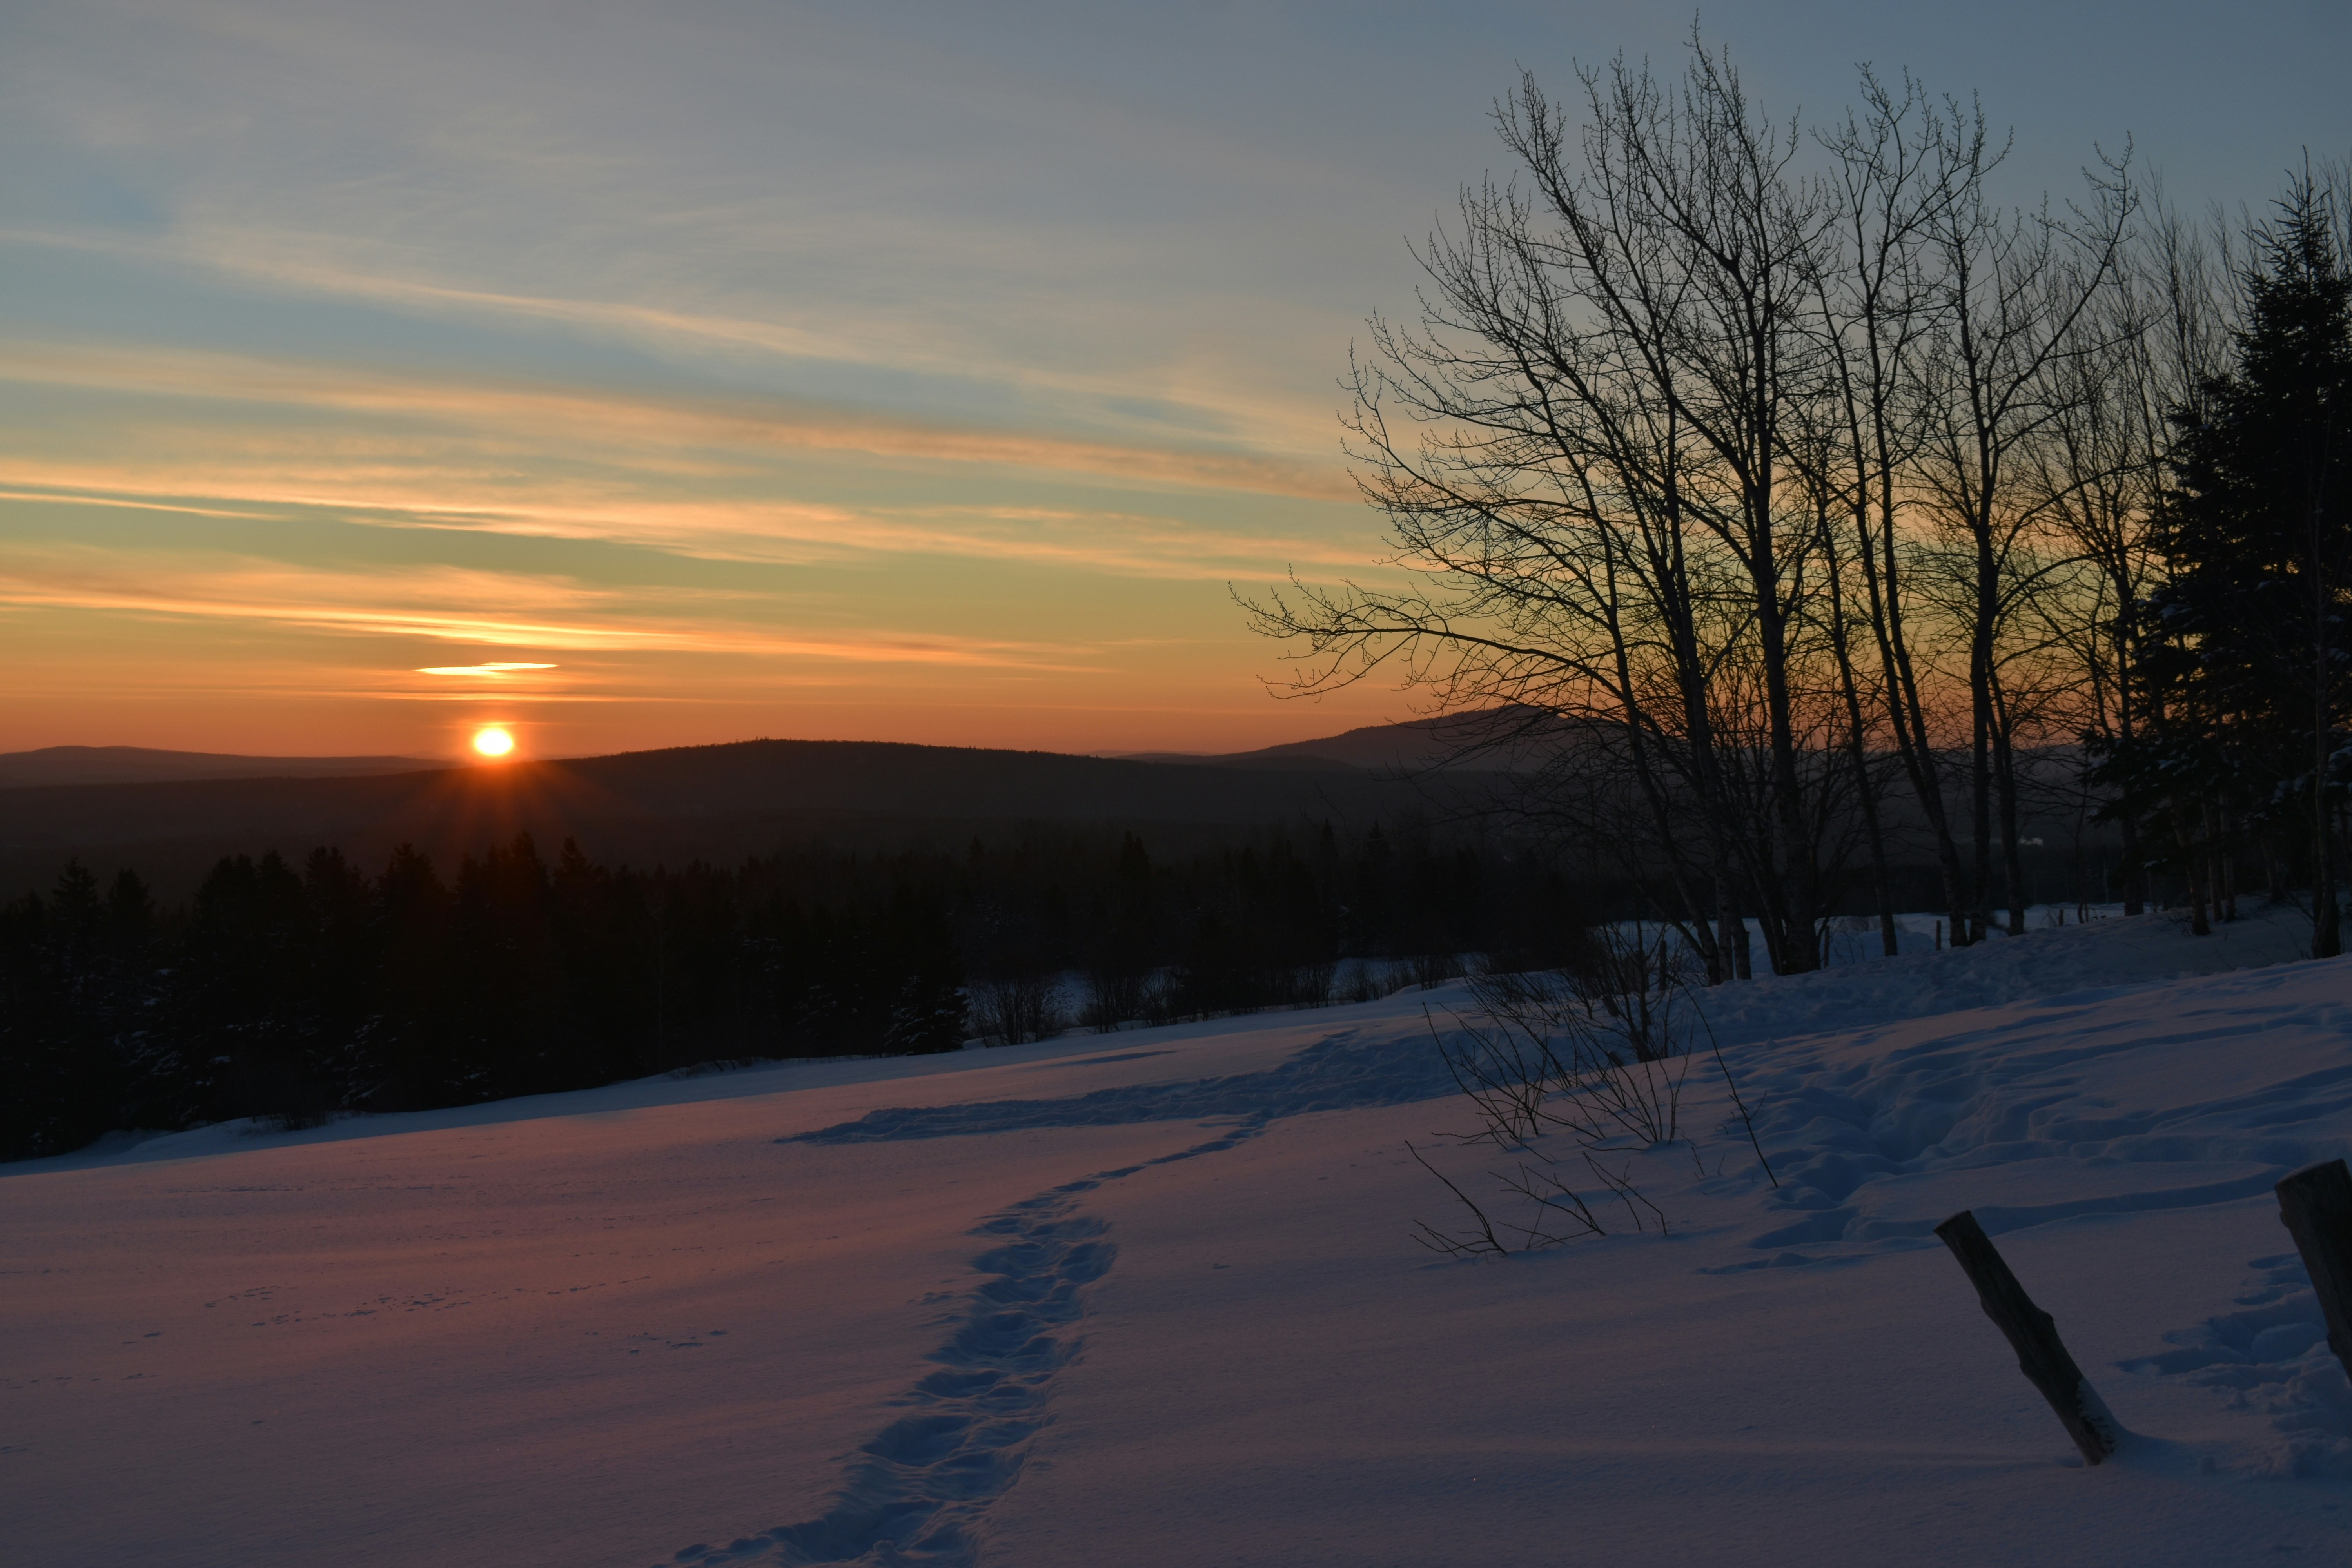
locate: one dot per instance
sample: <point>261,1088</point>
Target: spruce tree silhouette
<point>2244,683</point>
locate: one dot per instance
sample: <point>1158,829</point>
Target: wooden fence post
<point>2316,1206</point>
<point>2033,1334</point>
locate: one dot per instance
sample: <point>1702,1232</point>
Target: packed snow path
<point>917,1492</point>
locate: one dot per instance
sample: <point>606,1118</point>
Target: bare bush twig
<point>1601,1051</point>
<point>1737,1102</point>
<point>1552,1195</point>
<point>1620,1182</point>
<point>1481,1243</point>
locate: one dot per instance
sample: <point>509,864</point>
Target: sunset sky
<point>914,371</point>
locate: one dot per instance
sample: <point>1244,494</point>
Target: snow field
<point>1150,1299</point>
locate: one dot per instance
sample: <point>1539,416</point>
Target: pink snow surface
<point>1150,1300</point>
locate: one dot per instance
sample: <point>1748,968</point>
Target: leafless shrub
<point>1480,1241</point>
<point>1431,970</point>
<point>1366,980</point>
<point>1112,996</point>
<point>1557,1212</point>
<point>1311,986</point>
<point>1016,1008</point>
<point>1601,1053</point>
<point>1162,1000</point>
<point>298,1120</point>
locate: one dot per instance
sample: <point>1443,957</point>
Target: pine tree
<point>929,1012</point>
<point>2245,675</point>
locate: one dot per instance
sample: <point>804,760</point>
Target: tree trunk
<point>2326,923</point>
<point>1865,788</point>
<point>2012,862</point>
<point>1981,815</point>
<point>1881,886</point>
<point>2192,864</point>
<point>1909,713</point>
<point>1730,933</point>
<point>2134,868</point>
<point>1796,899</point>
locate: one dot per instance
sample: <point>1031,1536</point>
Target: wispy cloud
<point>227,435</point>
<point>492,670</point>
<point>452,604</point>
<point>79,497</point>
<point>740,425</point>
<point>748,530</point>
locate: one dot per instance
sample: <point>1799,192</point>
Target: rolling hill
<point>717,801</point>
<point>143,764</point>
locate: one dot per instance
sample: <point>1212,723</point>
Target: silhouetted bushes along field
<point>294,991</point>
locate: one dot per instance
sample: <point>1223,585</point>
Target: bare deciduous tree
<point>1740,474</point>
<point>1581,448</point>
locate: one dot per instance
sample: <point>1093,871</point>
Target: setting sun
<point>493,742</point>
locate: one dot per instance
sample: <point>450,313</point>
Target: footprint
<point>2270,1358</point>
<point>919,1491</point>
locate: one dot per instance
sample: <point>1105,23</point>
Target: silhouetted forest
<point>297,990</point>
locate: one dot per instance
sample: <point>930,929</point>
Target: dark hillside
<point>719,803</point>
<point>145,764</point>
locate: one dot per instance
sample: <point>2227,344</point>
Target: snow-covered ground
<point>1150,1299</point>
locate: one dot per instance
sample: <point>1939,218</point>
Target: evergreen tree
<point>930,1012</point>
<point>296,990</point>
<point>2244,677</point>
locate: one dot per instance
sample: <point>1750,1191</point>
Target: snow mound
<point>2119,951</point>
<point>2270,1358</point>
<point>2102,1103</point>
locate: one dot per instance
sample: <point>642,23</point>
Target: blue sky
<point>917,372</point>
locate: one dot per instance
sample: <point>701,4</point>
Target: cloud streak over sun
<point>489,670</point>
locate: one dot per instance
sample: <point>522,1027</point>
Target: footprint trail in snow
<point>2270,1358</point>
<point>920,1491</point>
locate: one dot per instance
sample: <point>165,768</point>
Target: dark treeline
<point>294,991</point>
<point>2238,653</point>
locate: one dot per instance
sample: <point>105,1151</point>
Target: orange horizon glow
<point>819,388</point>
<point>322,700</point>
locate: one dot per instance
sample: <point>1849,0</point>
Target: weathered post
<point>2033,1334</point>
<point>2316,1206</point>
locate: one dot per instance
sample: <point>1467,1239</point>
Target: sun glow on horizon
<point>479,668</point>
<point>493,742</point>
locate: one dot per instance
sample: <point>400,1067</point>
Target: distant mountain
<point>1303,762</point>
<point>140,764</point>
<point>1415,746</point>
<point>718,802</point>
<point>1416,743</point>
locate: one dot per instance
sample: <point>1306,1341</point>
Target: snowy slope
<point>1150,1300</point>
